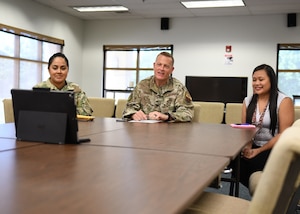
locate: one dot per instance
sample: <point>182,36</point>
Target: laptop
<point>45,116</point>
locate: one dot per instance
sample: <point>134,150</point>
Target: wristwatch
<point>169,117</point>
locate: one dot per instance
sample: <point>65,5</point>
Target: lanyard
<point>259,124</point>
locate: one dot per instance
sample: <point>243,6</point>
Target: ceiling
<point>143,9</point>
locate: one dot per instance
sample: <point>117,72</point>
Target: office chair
<point>121,104</point>
<point>233,113</point>
<point>8,111</point>
<point>197,109</point>
<point>102,107</point>
<point>211,112</point>
<point>275,191</point>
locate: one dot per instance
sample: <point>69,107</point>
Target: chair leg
<point>235,178</point>
<point>237,175</point>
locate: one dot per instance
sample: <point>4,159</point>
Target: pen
<point>122,120</point>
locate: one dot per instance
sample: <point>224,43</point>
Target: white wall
<point>28,15</point>
<point>31,16</point>
<point>199,44</point>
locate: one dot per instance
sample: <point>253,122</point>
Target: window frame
<point>137,68</point>
<point>286,46</point>
<point>19,33</point>
<point>13,60</point>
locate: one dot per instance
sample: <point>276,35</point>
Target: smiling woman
<point>58,68</point>
<point>272,112</point>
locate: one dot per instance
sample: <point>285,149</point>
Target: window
<point>288,68</point>
<point>125,66</point>
<point>24,57</point>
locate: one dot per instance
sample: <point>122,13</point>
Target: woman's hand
<point>247,147</point>
<point>251,153</point>
<point>247,151</point>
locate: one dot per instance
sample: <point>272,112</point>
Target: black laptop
<point>45,116</point>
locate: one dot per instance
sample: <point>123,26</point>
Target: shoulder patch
<point>188,97</point>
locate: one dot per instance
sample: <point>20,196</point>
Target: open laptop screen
<point>45,116</point>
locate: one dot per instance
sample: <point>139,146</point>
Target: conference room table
<point>199,138</point>
<point>125,168</point>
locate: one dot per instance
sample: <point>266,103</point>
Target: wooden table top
<point>7,130</point>
<point>126,168</point>
<point>98,125</point>
<point>9,144</point>
<point>86,128</point>
<point>99,179</point>
<point>200,138</point>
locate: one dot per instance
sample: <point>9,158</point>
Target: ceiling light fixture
<point>100,8</point>
<point>213,3</point>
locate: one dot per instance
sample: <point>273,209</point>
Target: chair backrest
<point>281,176</point>
<point>233,113</point>
<point>8,111</point>
<point>296,123</point>
<point>102,107</point>
<point>211,112</point>
<point>197,109</point>
<point>297,113</point>
<point>121,104</point>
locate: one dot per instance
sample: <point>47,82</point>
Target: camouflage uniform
<point>81,100</point>
<point>172,98</point>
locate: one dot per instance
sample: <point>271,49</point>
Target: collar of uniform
<point>165,88</point>
<point>53,87</point>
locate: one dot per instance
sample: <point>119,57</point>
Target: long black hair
<point>272,99</point>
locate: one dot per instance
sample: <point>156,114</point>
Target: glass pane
<point>121,96</point>
<point>29,74</point>
<point>119,79</point>
<point>121,59</point>
<point>117,95</point>
<point>7,48</point>
<point>147,58</point>
<point>29,48</point>
<point>49,49</point>
<point>45,72</point>
<point>289,60</point>
<point>145,74</point>
<point>289,83</point>
<point>7,77</point>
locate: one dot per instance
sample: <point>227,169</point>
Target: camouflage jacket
<point>82,103</point>
<point>172,98</point>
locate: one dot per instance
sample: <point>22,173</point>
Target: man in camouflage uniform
<point>160,97</point>
<point>58,67</point>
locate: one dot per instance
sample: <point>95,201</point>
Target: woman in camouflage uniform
<point>58,68</point>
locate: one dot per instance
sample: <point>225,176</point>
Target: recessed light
<point>213,3</point>
<point>100,8</point>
